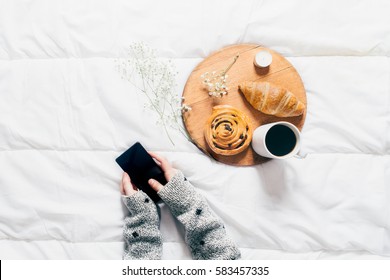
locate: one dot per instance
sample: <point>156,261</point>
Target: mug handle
<point>300,155</point>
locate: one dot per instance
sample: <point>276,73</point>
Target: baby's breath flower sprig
<point>215,81</point>
<point>156,79</point>
<point>185,108</point>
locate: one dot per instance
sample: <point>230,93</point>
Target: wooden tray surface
<point>195,94</point>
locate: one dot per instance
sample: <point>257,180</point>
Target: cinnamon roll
<point>228,130</point>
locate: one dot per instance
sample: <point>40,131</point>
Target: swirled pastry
<point>227,131</point>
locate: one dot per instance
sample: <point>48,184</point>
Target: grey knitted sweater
<point>204,233</point>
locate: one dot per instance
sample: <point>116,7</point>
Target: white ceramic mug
<point>277,140</point>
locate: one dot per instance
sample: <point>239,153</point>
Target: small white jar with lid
<point>263,59</point>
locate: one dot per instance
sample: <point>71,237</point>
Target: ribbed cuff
<point>138,202</point>
<point>178,194</point>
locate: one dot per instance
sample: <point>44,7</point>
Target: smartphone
<point>141,167</point>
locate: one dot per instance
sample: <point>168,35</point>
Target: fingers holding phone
<point>155,185</point>
<point>167,168</point>
<point>127,187</point>
<point>141,167</point>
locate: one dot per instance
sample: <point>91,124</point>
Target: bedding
<point>65,115</point>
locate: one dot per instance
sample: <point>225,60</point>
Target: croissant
<point>227,131</point>
<point>271,99</point>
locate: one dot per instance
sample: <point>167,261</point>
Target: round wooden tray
<point>280,72</point>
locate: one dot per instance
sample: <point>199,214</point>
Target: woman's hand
<point>127,187</point>
<point>167,168</point>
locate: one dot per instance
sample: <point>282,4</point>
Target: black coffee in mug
<point>280,140</point>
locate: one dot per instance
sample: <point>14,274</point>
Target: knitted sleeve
<point>141,229</point>
<point>204,233</point>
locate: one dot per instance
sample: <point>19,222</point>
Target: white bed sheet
<point>65,115</point>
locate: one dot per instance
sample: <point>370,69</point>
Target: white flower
<point>185,108</point>
<point>156,78</point>
<point>215,82</point>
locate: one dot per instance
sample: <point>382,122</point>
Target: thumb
<point>155,185</point>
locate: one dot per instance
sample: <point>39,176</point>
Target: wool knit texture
<point>205,233</point>
<point>141,229</point>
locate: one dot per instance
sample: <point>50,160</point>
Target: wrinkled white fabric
<point>65,115</point>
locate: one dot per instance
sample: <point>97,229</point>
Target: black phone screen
<point>141,167</point>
